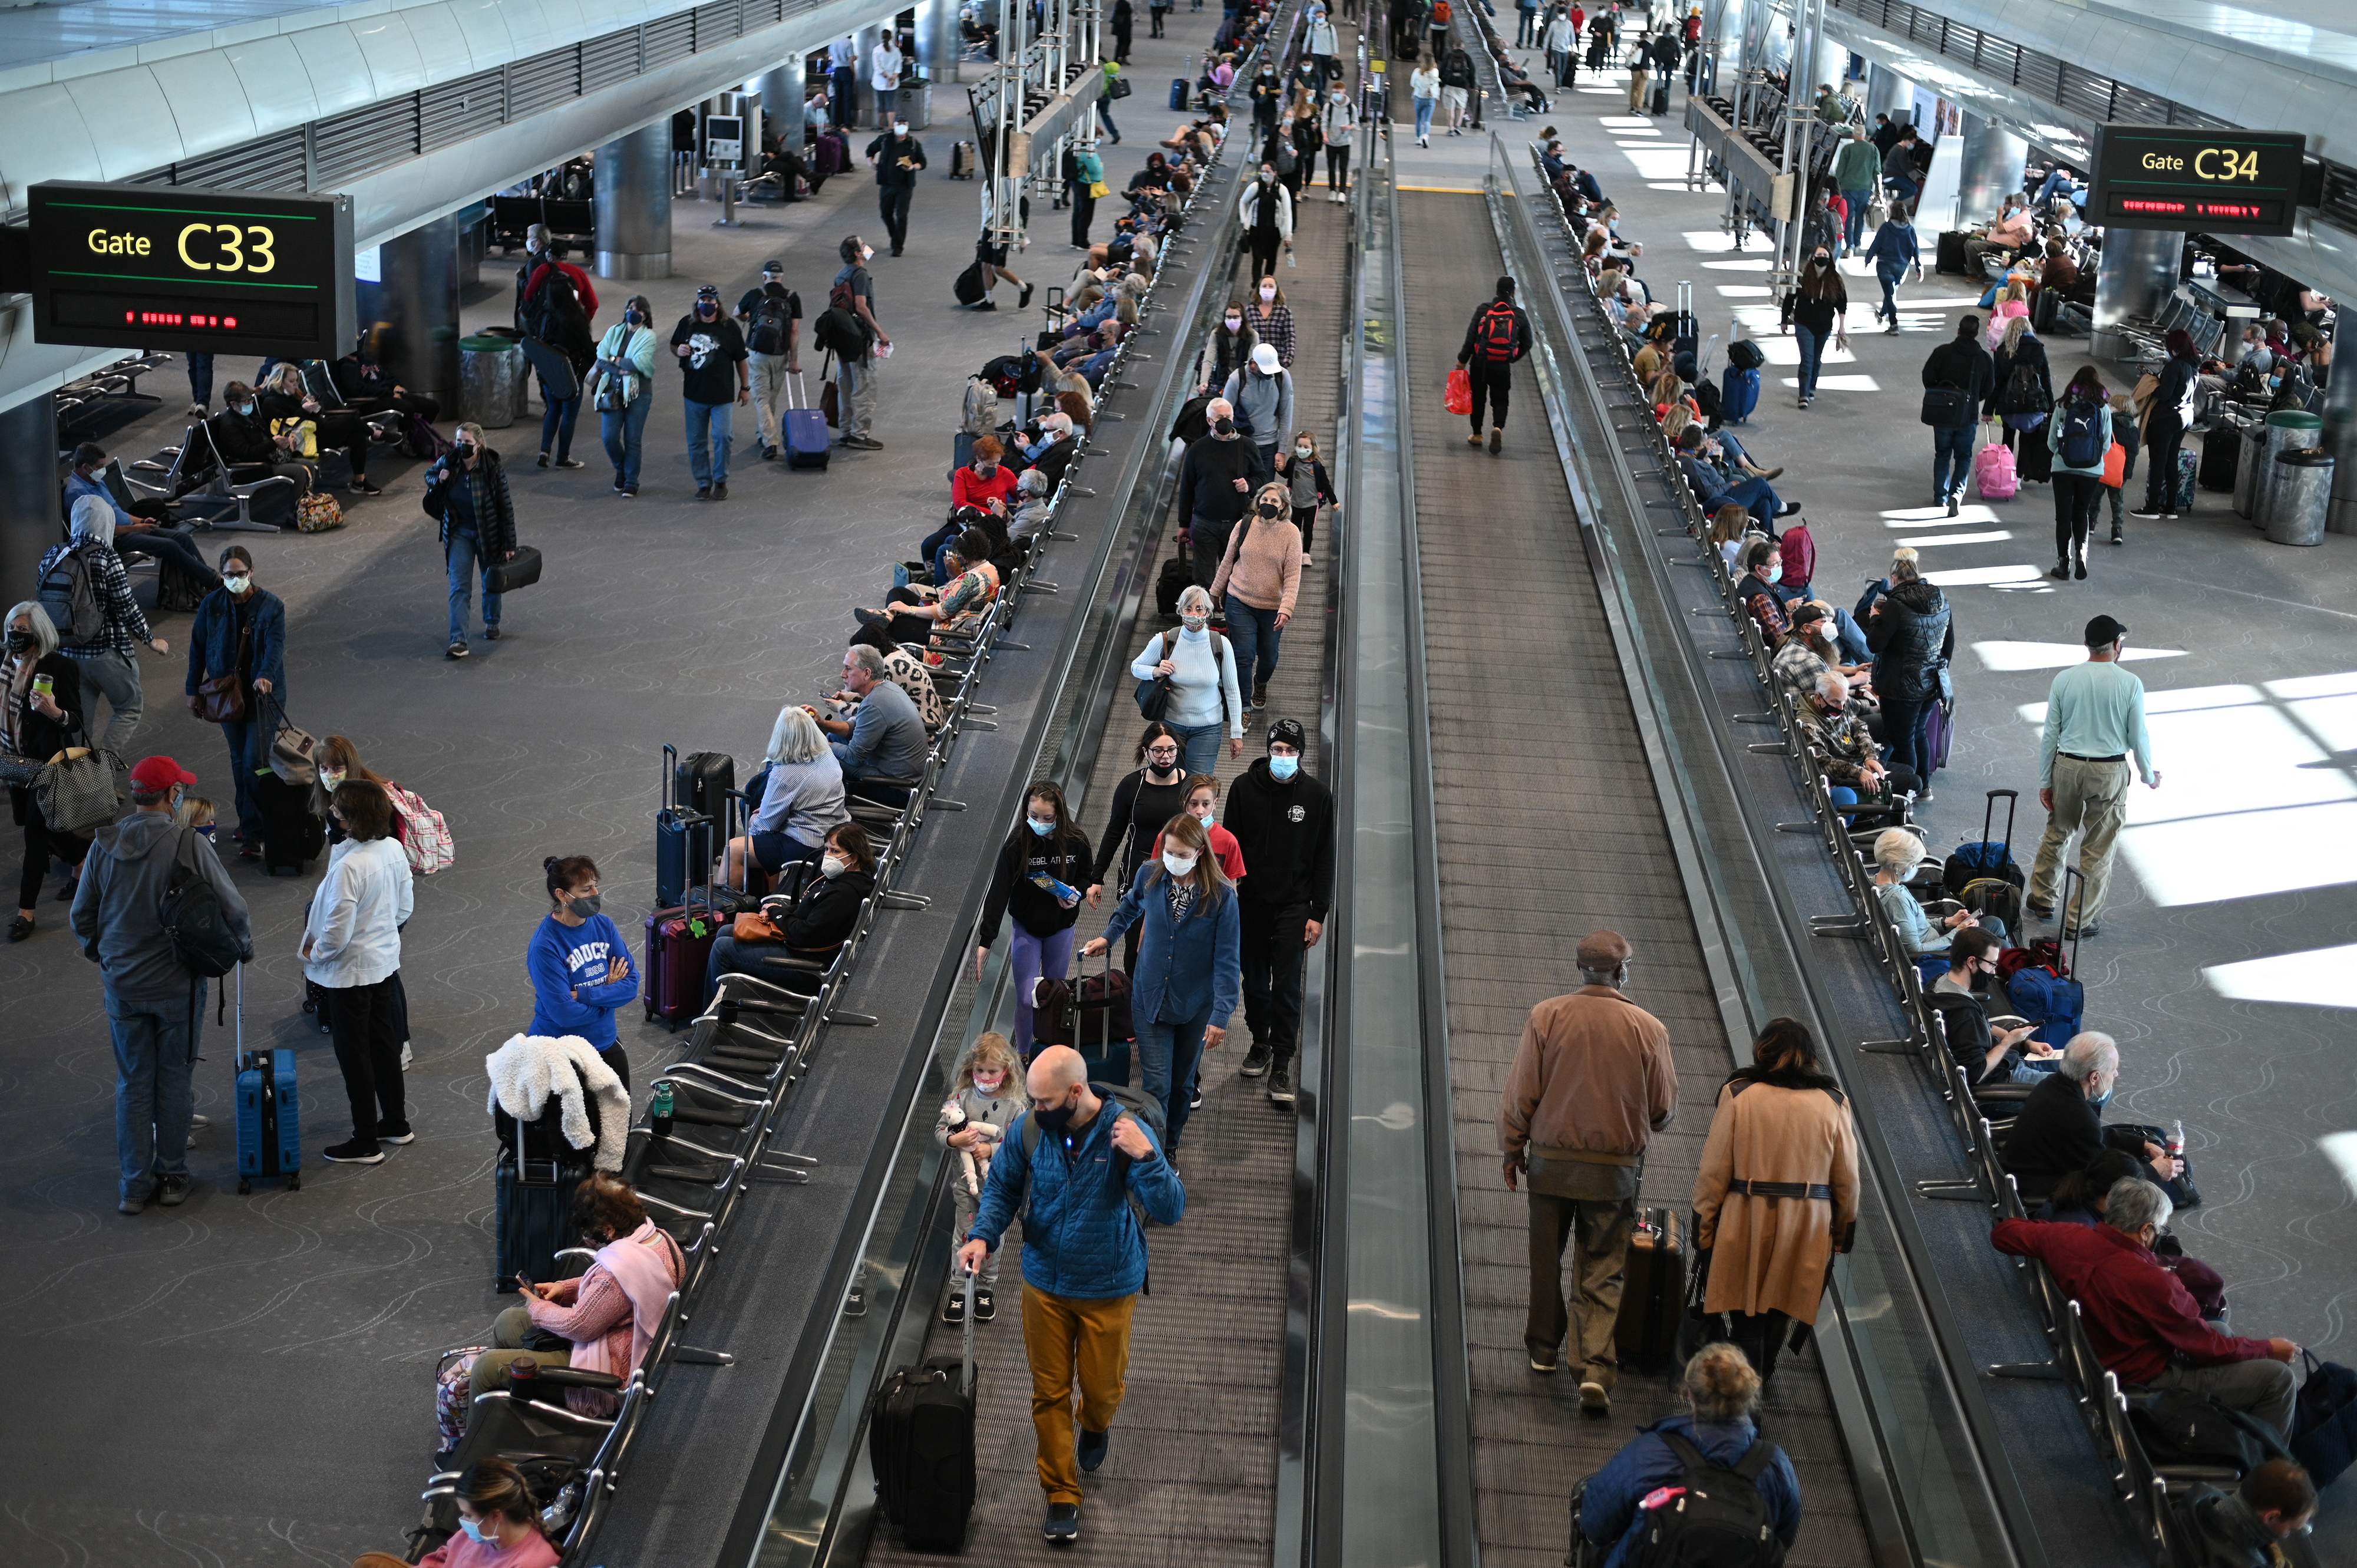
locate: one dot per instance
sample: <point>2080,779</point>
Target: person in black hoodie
<point>1962,374</point>
<point>242,437</point>
<point>2170,411</point>
<point>1913,635</point>
<point>1283,821</point>
<point>1142,803</point>
<point>1045,862</point>
<point>814,921</point>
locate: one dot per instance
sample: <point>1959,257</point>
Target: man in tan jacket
<point>1590,1086</point>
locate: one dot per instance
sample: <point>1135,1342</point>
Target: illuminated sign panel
<point>141,266</point>
<point>2214,182</point>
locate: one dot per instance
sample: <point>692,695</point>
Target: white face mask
<point>991,1082</point>
<point>237,585</point>
<point>832,865</point>
<point>1176,864</point>
<point>1268,293</point>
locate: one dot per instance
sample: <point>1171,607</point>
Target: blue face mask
<point>1282,768</point>
<point>1037,826</point>
<point>2097,1102</point>
<point>481,1533</point>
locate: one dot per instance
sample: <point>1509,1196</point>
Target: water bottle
<point>659,1112</point>
<point>2176,1141</point>
<point>523,1379</point>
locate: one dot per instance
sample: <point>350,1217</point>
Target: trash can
<point>491,380</point>
<point>2299,494</point>
<point>2246,470</point>
<point>916,104</point>
<point>2286,429</point>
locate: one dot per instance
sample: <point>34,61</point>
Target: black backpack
<point>772,317</point>
<point>1718,1517</point>
<point>838,329</point>
<point>2181,1427</point>
<point>67,592</point>
<point>2025,392</point>
<point>195,927</point>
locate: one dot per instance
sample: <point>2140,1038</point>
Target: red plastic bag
<point>1458,399</point>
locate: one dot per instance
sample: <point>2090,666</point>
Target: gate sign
<point>2210,182</point>
<point>144,266</point>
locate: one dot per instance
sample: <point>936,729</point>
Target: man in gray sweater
<point>155,1007</point>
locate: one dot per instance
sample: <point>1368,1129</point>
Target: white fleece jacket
<point>530,1068</point>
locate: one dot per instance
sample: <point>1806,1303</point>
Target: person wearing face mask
<point>145,527</point>
<point>1816,309</point>
<point>1897,853</point>
<point>1233,342</point>
<point>770,316</point>
<point>1260,574</point>
<point>40,715</point>
<point>983,1104</point>
<point>810,922</point>
<point>1141,802</point>
<point>499,1525</point>
<point>713,380</point>
<point>580,963</point>
<point>1041,868</point>
<point>467,490</point>
<point>244,441</point>
<point>1987,1053</point>
<point>155,1007</point>
<point>1088,177</point>
<point>1271,320</point>
<point>1216,482</point>
<point>1283,820</point>
<point>1498,335</point>
<point>1202,804</point>
<point>797,800</point>
<point>351,951</point>
<point>1308,487</point>
<point>1267,211</point>
<point>855,344</point>
<point>1763,570</point>
<point>896,157</point>
<point>107,651</point>
<point>1339,119</point>
<point>622,389</point>
<point>240,633</point>
<point>1261,398</point>
<point>1200,668</point>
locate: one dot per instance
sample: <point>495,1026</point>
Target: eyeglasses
<point>1164,752</point>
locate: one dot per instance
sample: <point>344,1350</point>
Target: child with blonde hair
<point>985,1096</point>
<point>197,812</point>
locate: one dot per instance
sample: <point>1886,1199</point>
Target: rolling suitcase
<point>291,836</point>
<point>2221,453</point>
<point>962,160</point>
<point>1087,1011</point>
<point>532,1190</point>
<point>1738,393</point>
<point>920,1446</point>
<point>1661,94</point>
<point>269,1111</point>
<point>1952,258</point>
<point>805,431</point>
<point>1177,95</point>
<point>683,844</point>
<point>678,949</point>
<point>702,780</point>
<point>1985,858</point>
<point>1684,336</point>
<point>1652,1293</point>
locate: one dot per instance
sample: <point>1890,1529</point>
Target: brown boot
<point>1497,438</point>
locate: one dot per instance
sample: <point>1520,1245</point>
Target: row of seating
<point>1977,1113</point>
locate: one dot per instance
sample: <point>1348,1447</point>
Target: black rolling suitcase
<point>2221,455</point>
<point>702,779</point>
<point>685,848</point>
<point>920,1446</point>
<point>291,836</point>
<point>1952,258</point>
<point>1652,1293</point>
<point>533,1188</point>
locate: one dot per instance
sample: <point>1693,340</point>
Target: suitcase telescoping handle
<point>1989,817</point>
<point>966,1370</point>
<point>2074,888</point>
<point>671,774</point>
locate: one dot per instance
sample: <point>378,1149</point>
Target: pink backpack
<point>1993,473</point>
<point>1800,553</point>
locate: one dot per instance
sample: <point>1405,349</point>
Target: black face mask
<point>1055,1119</point>
<point>1225,426</point>
<point>1268,509</point>
<point>19,640</point>
<point>1981,978</point>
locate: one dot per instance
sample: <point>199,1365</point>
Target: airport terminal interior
<point>801,783</point>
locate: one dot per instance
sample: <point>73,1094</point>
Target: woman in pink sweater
<point>1260,575</point>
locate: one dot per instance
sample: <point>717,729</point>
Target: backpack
<point>424,835</point>
<point>1439,13</point>
<point>1799,548</point>
<point>771,319</point>
<point>67,592</point>
<point>838,329</point>
<point>1135,1102</point>
<point>2083,435</point>
<point>562,316</point>
<point>194,927</point>
<point>1494,338</point>
<point>1715,1517</point>
<point>2024,393</point>
<point>2181,1427</point>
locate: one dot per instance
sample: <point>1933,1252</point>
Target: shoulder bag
<point>81,790</point>
<point>221,699</point>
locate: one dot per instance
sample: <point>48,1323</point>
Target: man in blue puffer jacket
<point>1721,1394</point>
<point>1083,1258</point>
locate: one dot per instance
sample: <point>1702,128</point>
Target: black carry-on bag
<point>921,1444</point>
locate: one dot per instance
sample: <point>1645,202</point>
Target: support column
<point>1990,165</point>
<point>29,476</point>
<point>633,202</point>
<point>420,308</point>
<point>2138,270</point>
<point>782,102</point>
<point>2339,434</point>
<point>1887,93</point>
<point>873,115</point>
<point>938,44</point>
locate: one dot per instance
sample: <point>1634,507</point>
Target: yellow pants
<point>1073,1341</point>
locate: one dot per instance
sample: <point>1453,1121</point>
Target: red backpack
<point>1439,13</point>
<point>1496,337</point>
<point>1800,553</point>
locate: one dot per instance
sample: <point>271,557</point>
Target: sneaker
<point>1260,697</point>
<point>953,1309</point>
<point>1497,440</point>
<point>1280,1083</point>
<point>2094,930</point>
<point>1474,439</point>
<point>456,650</point>
<point>491,634</point>
<point>395,1132</point>
<point>2143,516</point>
<point>720,491</point>
<point>1544,1365</point>
<point>704,493</point>
<point>2080,571</point>
<point>864,443</point>
<point>570,463</point>
<point>543,461</point>
<point>172,1191</point>
<point>1195,1096</point>
<point>1771,475</point>
<point>2043,911</point>
<point>629,490</point>
<point>984,1307</point>
<point>1804,401</point>
<point>2059,570</point>
<point>1788,509</point>
<point>1023,300</point>
<point>1595,1399</point>
<point>1091,1448</point>
<point>365,487</point>
<point>617,484</point>
<point>1952,506</point>
<point>1063,1526</point>
<point>19,928</point>
<point>132,1206</point>
<point>355,1152</point>
<point>197,411</point>
<point>1256,1061</point>
<point>2118,538</point>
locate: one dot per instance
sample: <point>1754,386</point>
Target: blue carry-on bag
<point>1986,856</point>
<point>1739,395</point>
<point>2048,996</point>
<point>269,1111</point>
<point>803,429</point>
<point>1177,95</point>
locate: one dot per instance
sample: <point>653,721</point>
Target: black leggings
<point>2077,498</point>
<point>40,845</point>
<point>2162,437</point>
<point>1305,518</point>
<point>1492,380</point>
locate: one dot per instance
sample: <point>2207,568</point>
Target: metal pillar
<point>420,305</point>
<point>782,93</point>
<point>1887,93</point>
<point>879,114</point>
<point>29,476</point>
<point>1989,167</point>
<point>633,202</point>
<point>2339,434</point>
<point>2139,269</point>
<point>938,44</point>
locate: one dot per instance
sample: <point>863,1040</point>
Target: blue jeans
<point>1198,746</point>
<point>1105,113</point>
<point>467,562</point>
<point>1952,458</point>
<point>155,1065</point>
<point>1253,634</point>
<point>1890,279</point>
<point>200,378</point>
<point>244,737</point>
<point>707,441</point>
<point>1813,356</point>
<point>1752,494</point>
<point>1855,230</point>
<point>1168,1055</point>
<point>1424,108</point>
<point>556,421</point>
<point>1032,959</point>
<point>625,432</point>
<point>1903,731</point>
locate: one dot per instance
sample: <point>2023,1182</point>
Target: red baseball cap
<point>153,775</point>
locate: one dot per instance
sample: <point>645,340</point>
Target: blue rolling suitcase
<point>684,846</point>
<point>1739,395</point>
<point>805,432</point>
<point>269,1111</point>
<point>1177,95</point>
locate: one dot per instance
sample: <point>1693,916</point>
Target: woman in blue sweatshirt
<point>581,969</point>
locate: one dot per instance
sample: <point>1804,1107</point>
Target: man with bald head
<point>1083,1158</point>
<point>1590,1086</point>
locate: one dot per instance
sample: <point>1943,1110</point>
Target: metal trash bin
<point>2299,496</point>
<point>2286,429</point>
<point>492,382</point>
<point>2246,470</point>
<point>915,102</point>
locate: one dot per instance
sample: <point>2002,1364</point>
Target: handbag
<point>1458,397</point>
<point>754,926</point>
<point>291,749</point>
<point>221,700</point>
<point>2324,1421</point>
<point>1153,697</point>
<point>520,571</point>
<point>18,772</point>
<point>1099,191</point>
<point>1944,408</point>
<point>81,790</point>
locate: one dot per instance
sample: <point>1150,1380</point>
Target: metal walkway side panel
<point>1549,827</point>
